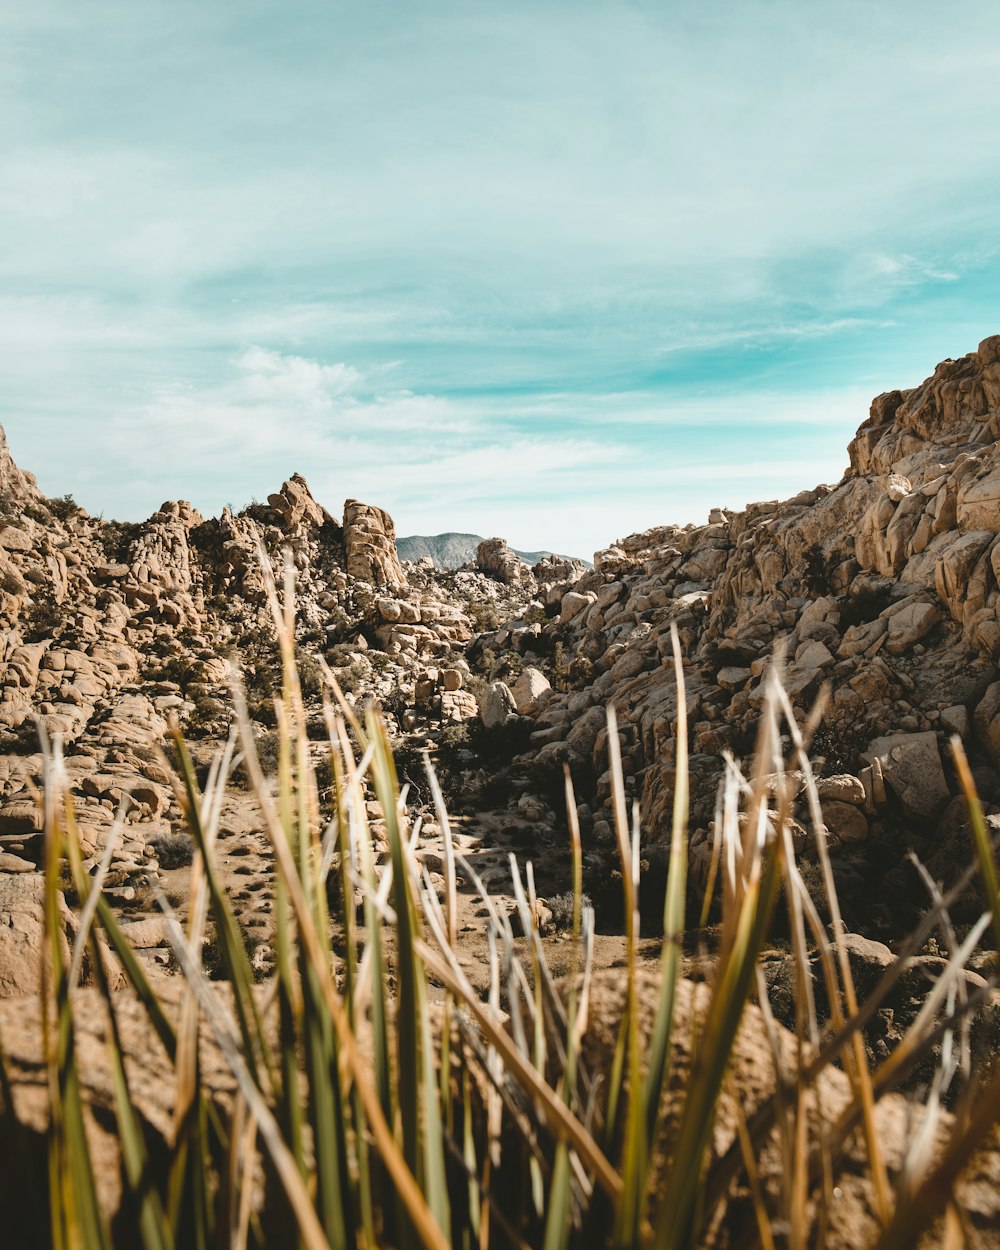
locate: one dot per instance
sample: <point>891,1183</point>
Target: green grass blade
<point>233,948</point>
<point>674,918</point>
<point>407,1034</point>
<point>326,1113</point>
<point>980,834</point>
<point>681,1199</point>
<point>76,1195</point>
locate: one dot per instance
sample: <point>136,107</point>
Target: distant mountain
<point>449,551</point>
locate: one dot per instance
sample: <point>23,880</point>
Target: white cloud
<point>272,377</point>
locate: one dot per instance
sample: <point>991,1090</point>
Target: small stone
<point>843,787</point>
<point>845,822</point>
<point>955,720</point>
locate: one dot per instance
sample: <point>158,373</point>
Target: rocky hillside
<point>881,590</point>
<point>110,631</point>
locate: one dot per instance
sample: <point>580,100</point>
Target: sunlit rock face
<point>881,590</point>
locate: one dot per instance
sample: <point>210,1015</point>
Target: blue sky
<point>556,271</point>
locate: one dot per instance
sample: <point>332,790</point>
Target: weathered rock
<point>844,821</point>
<point>295,505</point>
<point>21,815</point>
<point>370,542</point>
<point>910,625</point>
<point>842,787</point>
<point>573,603</point>
<point>531,691</point>
<point>458,705</point>
<point>22,932</point>
<point>495,558</point>
<point>911,766</point>
<point>497,705</point>
<point>453,679</point>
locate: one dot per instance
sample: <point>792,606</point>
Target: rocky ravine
<point>883,586</point>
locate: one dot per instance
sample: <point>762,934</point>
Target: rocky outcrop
<point>496,559</point>
<point>16,485</point>
<point>370,539</point>
<point>295,505</point>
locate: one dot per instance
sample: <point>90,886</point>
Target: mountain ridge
<point>453,548</point>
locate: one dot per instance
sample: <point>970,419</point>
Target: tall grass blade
<point>980,834</point>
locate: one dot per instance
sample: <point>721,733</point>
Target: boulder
<point>573,603</point>
<point>845,822</point>
<point>497,705</point>
<point>370,545</point>
<point>458,705</point>
<point>12,538</point>
<point>295,505</point>
<point>911,767</point>
<point>843,788</point>
<point>531,691</point>
<point>20,816</point>
<point>22,932</point>
<point>910,625</point>
<point>496,559</point>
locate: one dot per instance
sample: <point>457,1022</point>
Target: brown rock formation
<point>370,539</point>
<point>496,559</point>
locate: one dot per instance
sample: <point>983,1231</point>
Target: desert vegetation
<point>369,1094</point>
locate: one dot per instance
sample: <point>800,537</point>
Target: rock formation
<point>494,557</point>
<point>370,539</point>
<point>882,589</point>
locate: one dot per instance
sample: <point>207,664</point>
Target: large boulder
<point>908,626</point>
<point>497,705</point>
<point>496,559</point>
<point>911,766</point>
<point>370,543</point>
<point>531,691</point>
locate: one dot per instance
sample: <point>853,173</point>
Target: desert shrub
<point>355,677</point>
<point>173,850</point>
<point>311,677</point>
<point>178,669</point>
<point>267,746</point>
<point>484,615</point>
<point>262,513</point>
<point>115,538</point>
<point>64,507</point>
<point>42,618</point>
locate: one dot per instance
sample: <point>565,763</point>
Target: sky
<point>553,271</point>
